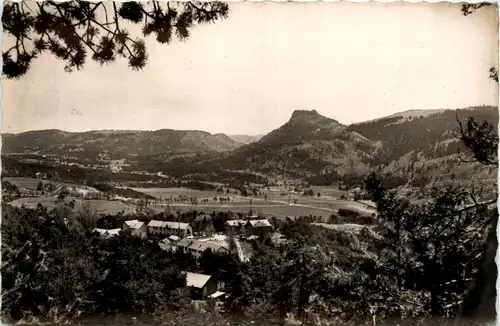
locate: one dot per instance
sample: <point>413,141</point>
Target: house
<point>169,228</point>
<point>136,228</point>
<point>262,223</point>
<point>236,226</point>
<point>198,247</point>
<point>202,286</point>
<point>105,233</point>
<point>248,226</point>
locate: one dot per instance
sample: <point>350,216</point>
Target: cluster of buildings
<point>179,236</point>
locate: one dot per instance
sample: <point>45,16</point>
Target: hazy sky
<point>247,74</point>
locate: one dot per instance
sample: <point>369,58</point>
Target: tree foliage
<point>435,248</point>
<point>52,267</point>
<point>72,30</point>
<point>481,139</point>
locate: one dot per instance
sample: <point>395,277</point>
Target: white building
<point>240,226</point>
<point>169,228</point>
<point>136,228</point>
<point>197,247</point>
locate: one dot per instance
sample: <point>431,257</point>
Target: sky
<point>246,75</point>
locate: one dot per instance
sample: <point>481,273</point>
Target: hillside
<point>430,132</point>
<point>307,144</point>
<point>117,144</point>
<point>420,148</point>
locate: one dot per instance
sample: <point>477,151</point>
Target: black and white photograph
<point>249,163</point>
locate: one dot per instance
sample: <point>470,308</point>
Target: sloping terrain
<point>422,147</point>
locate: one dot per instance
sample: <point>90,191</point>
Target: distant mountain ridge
<point>119,143</point>
<point>406,114</point>
<point>308,145</point>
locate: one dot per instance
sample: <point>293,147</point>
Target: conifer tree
<point>73,30</point>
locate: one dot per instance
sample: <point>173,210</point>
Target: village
<point>179,236</point>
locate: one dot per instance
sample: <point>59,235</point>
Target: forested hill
<point>118,143</point>
<point>401,134</point>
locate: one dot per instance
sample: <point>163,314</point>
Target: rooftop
<point>236,222</point>
<point>134,224</point>
<point>198,245</point>
<point>169,225</point>
<point>196,280</point>
<point>260,223</point>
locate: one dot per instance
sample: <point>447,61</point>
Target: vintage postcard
<point>195,163</point>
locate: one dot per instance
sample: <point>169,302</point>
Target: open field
<point>175,192</point>
<point>275,205</point>
<point>276,210</point>
<point>31,183</point>
<point>100,206</point>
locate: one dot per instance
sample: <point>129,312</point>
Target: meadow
<point>274,202</point>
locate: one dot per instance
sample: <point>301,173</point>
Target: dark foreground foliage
<point>53,265</point>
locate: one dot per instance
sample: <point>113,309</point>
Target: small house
<point>248,226</point>
<point>136,228</point>
<point>107,233</point>
<point>255,224</point>
<point>202,286</point>
<point>236,226</point>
